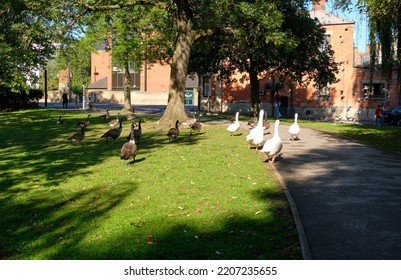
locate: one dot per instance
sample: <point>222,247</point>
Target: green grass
<point>383,137</point>
<point>204,196</point>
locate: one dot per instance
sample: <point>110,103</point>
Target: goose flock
<point>271,147</point>
<point>128,150</point>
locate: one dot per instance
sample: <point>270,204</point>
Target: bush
<point>15,100</point>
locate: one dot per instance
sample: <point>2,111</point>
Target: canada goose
<point>131,116</point>
<point>114,122</point>
<point>105,116</point>
<point>129,149</point>
<point>253,122</point>
<point>78,137</point>
<point>266,125</point>
<point>138,132</point>
<point>113,133</point>
<point>60,121</point>
<point>255,136</point>
<point>195,126</point>
<point>294,128</point>
<point>274,145</point>
<point>234,126</point>
<point>173,132</point>
<point>84,123</point>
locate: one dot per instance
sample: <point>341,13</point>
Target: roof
<point>326,18</point>
<point>100,84</point>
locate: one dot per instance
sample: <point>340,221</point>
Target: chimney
<point>321,6</point>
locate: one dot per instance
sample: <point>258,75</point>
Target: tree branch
<point>93,8</point>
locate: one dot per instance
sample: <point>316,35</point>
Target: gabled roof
<point>326,18</point>
<point>100,84</point>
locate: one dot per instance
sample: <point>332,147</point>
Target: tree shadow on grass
<point>39,228</point>
<point>234,237</point>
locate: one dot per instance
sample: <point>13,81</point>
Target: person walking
<point>65,100</point>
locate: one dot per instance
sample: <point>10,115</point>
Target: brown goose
<point>84,123</point>
<point>78,137</point>
<point>129,149</point>
<point>114,122</point>
<point>195,126</point>
<point>173,132</point>
<point>60,121</point>
<point>105,116</point>
<point>113,133</point>
<point>131,116</point>
<point>137,132</point>
<point>252,122</point>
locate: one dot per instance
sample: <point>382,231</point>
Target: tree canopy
<point>25,42</point>
<point>259,38</point>
<point>384,19</point>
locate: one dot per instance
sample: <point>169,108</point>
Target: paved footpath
<point>347,195</point>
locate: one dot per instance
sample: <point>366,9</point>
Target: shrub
<point>14,100</point>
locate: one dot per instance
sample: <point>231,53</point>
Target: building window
<point>118,76</point>
<point>374,90</point>
<point>207,84</point>
<point>323,91</point>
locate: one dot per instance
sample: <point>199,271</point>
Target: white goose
<point>234,126</point>
<point>274,145</point>
<point>255,136</point>
<point>294,129</point>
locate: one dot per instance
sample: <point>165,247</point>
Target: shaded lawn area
<point>203,196</point>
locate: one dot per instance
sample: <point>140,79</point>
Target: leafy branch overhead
<point>260,38</point>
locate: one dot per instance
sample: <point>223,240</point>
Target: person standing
<point>379,115</point>
<point>65,100</point>
<point>277,103</point>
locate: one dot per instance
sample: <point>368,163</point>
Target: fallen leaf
<point>151,240</point>
<point>258,213</point>
<point>170,215</point>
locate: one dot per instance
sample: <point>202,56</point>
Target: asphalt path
<point>347,195</point>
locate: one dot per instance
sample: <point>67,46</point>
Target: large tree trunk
<point>255,97</point>
<point>127,87</point>
<point>398,67</point>
<point>175,106</point>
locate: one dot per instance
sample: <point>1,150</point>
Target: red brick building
<point>346,100</point>
<point>149,85</point>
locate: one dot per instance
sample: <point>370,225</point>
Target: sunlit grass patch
<point>204,196</point>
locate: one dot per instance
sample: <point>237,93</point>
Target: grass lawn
<point>203,196</point>
<point>383,137</point>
